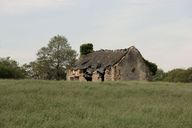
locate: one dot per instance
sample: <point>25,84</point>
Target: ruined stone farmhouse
<point>110,65</point>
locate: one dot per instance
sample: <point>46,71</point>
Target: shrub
<point>86,49</point>
<point>10,69</point>
<point>179,75</point>
<point>152,67</point>
<point>159,75</point>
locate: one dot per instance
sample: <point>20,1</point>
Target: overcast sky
<point>160,29</point>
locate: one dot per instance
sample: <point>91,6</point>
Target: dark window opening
<point>76,78</point>
<point>133,70</point>
<point>102,78</point>
<point>88,78</point>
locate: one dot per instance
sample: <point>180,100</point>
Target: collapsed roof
<point>100,60</point>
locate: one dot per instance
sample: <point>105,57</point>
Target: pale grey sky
<point>160,29</point>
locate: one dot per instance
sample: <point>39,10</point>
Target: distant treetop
<point>86,49</point>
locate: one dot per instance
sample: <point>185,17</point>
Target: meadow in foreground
<point>59,104</point>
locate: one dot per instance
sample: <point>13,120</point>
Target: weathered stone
<point>96,76</point>
<point>108,74</point>
<point>108,65</point>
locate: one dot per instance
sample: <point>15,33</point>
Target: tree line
<point>54,59</point>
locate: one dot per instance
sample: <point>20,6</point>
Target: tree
<point>32,70</point>
<point>159,75</point>
<point>86,49</point>
<point>9,69</point>
<point>189,74</point>
<point>53,60</point>
<point>179,75</point>
<point>152,67</point>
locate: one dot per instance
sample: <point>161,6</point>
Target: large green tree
<point>53,60</point>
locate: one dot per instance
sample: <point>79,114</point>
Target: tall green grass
<point>53,104</point>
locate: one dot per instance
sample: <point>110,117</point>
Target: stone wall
<point>108,75</point>
<point>96,76</point>
<point>132,67</point>
<point>75,75</point>
<point>115,73</point>
<point>69,74</point>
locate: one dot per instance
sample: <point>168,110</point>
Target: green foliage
<point>179,75</point>
<point>152,66</point>
<point>59,104</point>
<point>159,75</point>
<point>33,70</point>
<point>9,69</point>
<point>86,49</point>
<point>53,60</point>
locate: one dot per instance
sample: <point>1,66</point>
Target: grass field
<point>53,104</point>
